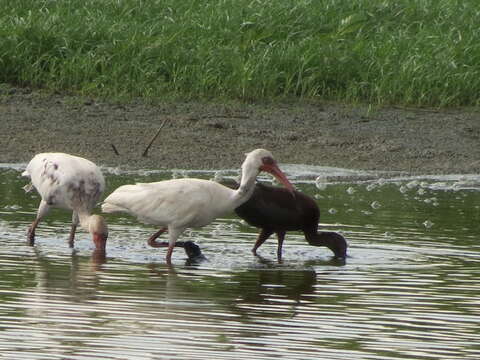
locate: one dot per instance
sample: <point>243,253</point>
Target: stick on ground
<point>115,150</point>
<point>144,154</point>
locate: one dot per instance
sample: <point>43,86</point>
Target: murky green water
<point>409,290</point>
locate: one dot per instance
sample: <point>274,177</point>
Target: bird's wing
<point>66,180</point>
<point>145,201</point>
<point>179,202</point>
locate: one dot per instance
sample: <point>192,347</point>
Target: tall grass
<point>420,52</point>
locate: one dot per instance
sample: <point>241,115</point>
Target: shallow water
<point>409,289</point>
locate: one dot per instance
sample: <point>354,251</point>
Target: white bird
<point>183,203</point>
<point>68,182</point>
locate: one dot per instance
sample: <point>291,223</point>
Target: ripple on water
<point>405,291</point>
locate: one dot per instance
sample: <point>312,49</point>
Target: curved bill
<point>278,174</point>
<point>100,241</point>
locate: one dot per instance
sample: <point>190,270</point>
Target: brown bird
<point>276,210</point>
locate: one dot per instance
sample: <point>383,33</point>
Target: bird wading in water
<point>275,210</point>
<point>68,182</point>
<point>178,204</point>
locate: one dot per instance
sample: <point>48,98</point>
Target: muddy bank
<point>215,136</point>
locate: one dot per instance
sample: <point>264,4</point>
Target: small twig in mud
<point>144,154</point>
<point>115,149</point>
<point>224,116</point>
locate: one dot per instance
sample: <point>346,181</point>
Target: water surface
<point>409,289</point>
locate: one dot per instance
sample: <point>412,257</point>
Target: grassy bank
<point>420,52</point>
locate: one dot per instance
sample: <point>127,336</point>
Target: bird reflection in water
<point>72,276</point>
<point>98,259</point>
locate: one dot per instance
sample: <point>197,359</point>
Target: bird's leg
<point>173,235</point>
<point>262,236</point>
<point>280,237</point>
<point>41,212</point>
<point>72,235</point>
<point>168,258</point>
<point>31,232</point>
<point>75,221</point>
<point>153,243</point>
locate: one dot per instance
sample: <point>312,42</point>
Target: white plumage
<point>182,203</point>
<point>68,182</point>
<point>153,203</point>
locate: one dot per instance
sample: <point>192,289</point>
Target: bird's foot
<point>260,257</point>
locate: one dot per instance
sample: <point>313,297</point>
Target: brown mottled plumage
<point>68,182</point>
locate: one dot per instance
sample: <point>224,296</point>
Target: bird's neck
<point>84,220</point>
<point>320,238</point>
<point>331,240</point>
<point>245,191</point>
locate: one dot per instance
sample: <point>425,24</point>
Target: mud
<point>201,135</point>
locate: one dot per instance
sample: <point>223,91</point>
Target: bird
<point>274,210</point>
<point>68,182</point>
<point>178,204</point>
<point>193,252</point>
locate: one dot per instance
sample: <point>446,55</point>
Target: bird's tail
<point>112,208</point>
<point>29,186</point>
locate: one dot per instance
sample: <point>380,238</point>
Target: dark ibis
<point>277,210</point>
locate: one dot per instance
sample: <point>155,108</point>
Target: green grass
<point>415,52</point>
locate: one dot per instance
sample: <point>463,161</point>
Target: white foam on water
<point>307,173</point>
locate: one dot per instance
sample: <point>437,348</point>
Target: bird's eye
<point>267,160</point>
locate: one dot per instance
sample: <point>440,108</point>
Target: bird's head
<point>99,230</point>
<point>337,244</point>
<point>192,250</point>
<point>262,160</point>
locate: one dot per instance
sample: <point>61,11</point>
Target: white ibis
<point>183,203</point>
<point>274,210</point>
<point>68,182</point>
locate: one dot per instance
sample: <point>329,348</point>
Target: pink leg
<point>169,254</point>
<point>173,235</point>
<point>41,212</point>
<point>153,243</point>
<point>73,229</point>
<point>262,236</point>
<point>31,232</point>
